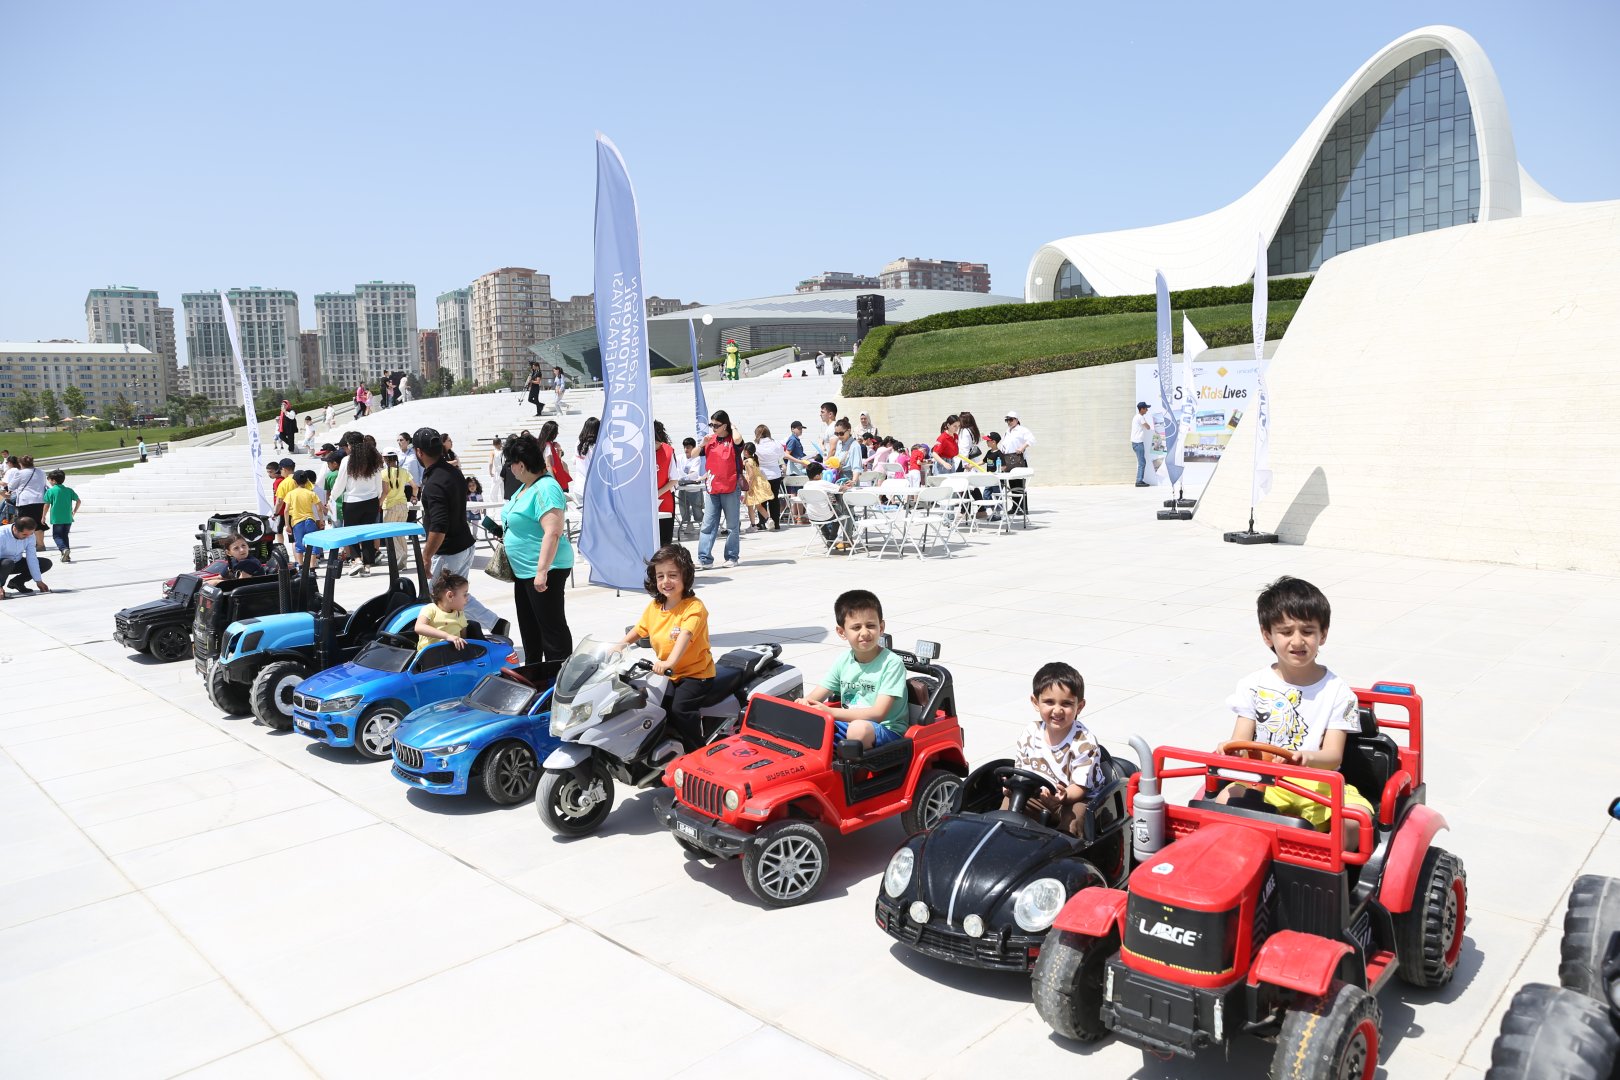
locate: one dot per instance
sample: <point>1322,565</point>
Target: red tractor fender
<point>1294,961</point>
<point>1095,912</point>
<point>1404,862</point>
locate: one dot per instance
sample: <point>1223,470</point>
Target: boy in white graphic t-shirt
<point>1296,704</point>
<point>1059,747</point>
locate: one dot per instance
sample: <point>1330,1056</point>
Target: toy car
<point>223,601</point>
<point>973,890</point>
<point>161,628</point>
<point>1249,921</point>
<point>494,738</point>
<point>254,528</point>
<point>360,703</point>
<point>272,654</point>
<point>766,793</point>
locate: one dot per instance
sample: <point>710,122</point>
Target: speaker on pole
<point>870,311</point>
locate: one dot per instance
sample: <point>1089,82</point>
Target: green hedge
<point>875,348</point>
<point>855,386</point>
<point>231,425</point>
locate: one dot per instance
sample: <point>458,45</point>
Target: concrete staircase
<point>203,479</point>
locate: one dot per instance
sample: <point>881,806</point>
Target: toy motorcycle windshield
<point>594,664</point>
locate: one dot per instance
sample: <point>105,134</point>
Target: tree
<point>122,410</point>
<point>48,408</point>
<point>20,410</point>
<point>73,398</point>
<point>199,408</point>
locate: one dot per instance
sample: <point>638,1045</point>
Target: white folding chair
<point>792,483</point>
<point>818,507</point>
<point>1020,498</point>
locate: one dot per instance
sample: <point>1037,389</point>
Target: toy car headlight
<point>973,926</point>
<point>448,751</point>
<point>733,800</point>
<point>898,875</point>
<point>1038,904</point>
<point>340,704</point>
<point>565,718</point>
<point>680,777</point>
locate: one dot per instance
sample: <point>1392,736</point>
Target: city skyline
<point>1055,140</point>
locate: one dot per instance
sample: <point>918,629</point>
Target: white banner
<point>255,446</point>
<point>1223,392</point>
<point>1260,486</point>
<point>1192,347</point>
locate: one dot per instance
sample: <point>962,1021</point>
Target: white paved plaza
<point>185,893</point>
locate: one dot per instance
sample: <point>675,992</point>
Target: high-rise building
<point>511,310</point>
<point>267,320</point>
<point>124,314</point>
<point>337,324</point>
<point>167,351</point>
<point>386,316</point>
<point>836,279</point>
<point>935,274</point>
<point>309,357</point>
<point>658,305</point>
<point>182,384</point>
<point>575,313</point>
<point>427,346</point>
<point>455,333</point>
<point>102,371</point>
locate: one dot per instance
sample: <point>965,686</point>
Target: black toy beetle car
<point>983,886</point>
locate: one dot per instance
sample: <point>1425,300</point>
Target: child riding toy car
<point>254,528</point>
<point>767,793</point>
<point>1240,919</point>
<point>494,738</point>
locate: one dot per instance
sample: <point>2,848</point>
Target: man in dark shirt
<point>449,543</point>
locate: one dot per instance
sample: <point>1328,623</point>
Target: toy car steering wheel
<point>1022,785</point>
<point>1239,747</point>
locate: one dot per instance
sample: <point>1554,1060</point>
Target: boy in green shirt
<point>61,503</point>
<point>869,681</point>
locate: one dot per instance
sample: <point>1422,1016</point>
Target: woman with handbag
<point>536,547</point>
<point>26,487</point>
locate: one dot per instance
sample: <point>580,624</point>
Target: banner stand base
<point>1249,536</point>
<point>1176,515</point>
<point>1176,504</point>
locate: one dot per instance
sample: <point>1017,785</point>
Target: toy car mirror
<point>928,650</point>
<point>1614,809</point>
<point>848,750</point>
<point>885,641</point>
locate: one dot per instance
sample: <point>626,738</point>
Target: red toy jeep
<point>1250,921</point>
<point>768,792</point>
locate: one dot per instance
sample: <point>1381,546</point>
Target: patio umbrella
<point>36,420</point>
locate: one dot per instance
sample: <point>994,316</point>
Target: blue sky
<point>309,146</point>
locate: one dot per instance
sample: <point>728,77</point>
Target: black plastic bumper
<point>1169,1017</point>
<point>707,833</point>
<point>133,637</point>
<point>1004,950</point>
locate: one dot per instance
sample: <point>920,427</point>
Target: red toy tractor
<point>1246,920</point>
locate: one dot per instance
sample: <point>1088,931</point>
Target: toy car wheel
<point>1334,1037</point>
<point>271,696</point>
<point>1067,983</point>
<point>787,865</point>
<point>228,697</point>
<point>510,773</point>
<point>575,803</point>
<point>938,793</point>
<point>374,734</point>
<point>170,643</point>
<point>1592,919</point>
<point>1554,1033</point>
<point>1428,938</point>
<point>199,556</point>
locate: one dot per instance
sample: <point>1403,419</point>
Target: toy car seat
<point>374,612</point>
<point>1370,759</point>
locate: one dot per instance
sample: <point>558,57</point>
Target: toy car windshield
<point>790,723</point>
<point>499,695</point>
<point>593,660</point>
<point>381,656</point>
<point>185,587</point>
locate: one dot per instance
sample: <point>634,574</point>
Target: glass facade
<point>1071,283</point>
<point>1403,159</point>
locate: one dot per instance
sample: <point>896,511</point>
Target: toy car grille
<point>409,756</point>
<point>307,703</point>
<point>122,623</point>
<point>702,795</point>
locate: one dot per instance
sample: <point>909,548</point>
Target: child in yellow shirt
<point>677,624</point>
<point>303,508</point>
<point>446,618</point>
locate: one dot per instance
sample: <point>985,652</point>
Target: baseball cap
<point>1141,404</point>
<point>1012,414</point>
<point>391,454</point>
<point>994,436</point>
<point>796,426</point>
<point>333,458</point>
<point>424,438</point>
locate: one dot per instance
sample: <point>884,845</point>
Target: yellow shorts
<point>1313,812</point>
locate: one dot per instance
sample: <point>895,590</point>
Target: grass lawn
<point>972,346</point>
<point>52,443</point>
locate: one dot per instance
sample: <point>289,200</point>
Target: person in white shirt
<point>689,483</point>
<point>359,484</point>
<point>1015,446</point>
<point>19,562</point>
<point>327,425</point>
<point>1141,432</point>
<point>770,454</point>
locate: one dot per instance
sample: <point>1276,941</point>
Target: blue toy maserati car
<point>360,703</point>
<point>494,738</point>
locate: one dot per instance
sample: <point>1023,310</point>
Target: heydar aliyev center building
<point>1417,140</point>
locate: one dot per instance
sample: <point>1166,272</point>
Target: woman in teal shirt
<point>541,556</point>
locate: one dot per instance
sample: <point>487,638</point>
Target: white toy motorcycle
<point>610,712</point>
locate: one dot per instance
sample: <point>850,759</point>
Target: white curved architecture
<point>1433,84</point>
